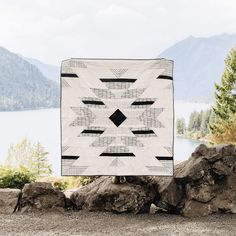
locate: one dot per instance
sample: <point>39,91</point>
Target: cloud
<point>118,13</point>
<point>52,30</point>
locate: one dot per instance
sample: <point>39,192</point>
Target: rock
<point>214,157</point>
<point>201,193</point>
<point>220,170</point>
<point>68,203</point>
<point>41,196</point>
<point>170,194</point>
<point>192,170</point>
<point>135,195</point>
<point>193,208</point>
<point>225,199</point>
<point>9,200</point>
<point>69,192</point>
<point>200,150</point>
<point>226,149</point>
<point>202,185</point>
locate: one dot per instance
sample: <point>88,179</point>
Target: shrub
<point>32,156</point>
<point>15,177</point>
<point>84,180</point>
<point>62,183</point>
<point>73,182</point>
<point>226,132</point>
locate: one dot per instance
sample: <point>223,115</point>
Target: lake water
<point>44,126</point>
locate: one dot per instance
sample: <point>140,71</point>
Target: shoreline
<point>204,140</point>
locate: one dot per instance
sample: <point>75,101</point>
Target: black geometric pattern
<point>117,117</point>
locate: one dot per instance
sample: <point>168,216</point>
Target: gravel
<point>104,223</point>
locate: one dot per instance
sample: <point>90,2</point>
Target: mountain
<point>23,86</point>
<point>198,63</point>
<point>51,72</point>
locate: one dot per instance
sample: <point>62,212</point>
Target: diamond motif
<point>117,117</point>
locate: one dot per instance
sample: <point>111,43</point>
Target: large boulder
<point>9,200</point>
<point>169,194</point>
<point>41,196</point>
<point>136,195</point>
<point>204,184</point>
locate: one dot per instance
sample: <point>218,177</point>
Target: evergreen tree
<point>211,118</point>
<point>225,100</point>
<point>199,123</point>
<point>228,131</point>
<point>205,121</point>
<point>194,121</point>
<point>32,157</point>
<point>39,162</point>
<point>191,121</point>
<point>180,126</point>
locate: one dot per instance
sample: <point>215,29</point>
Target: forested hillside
<point>23,86</point>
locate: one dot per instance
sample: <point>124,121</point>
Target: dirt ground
<point>98,223</point>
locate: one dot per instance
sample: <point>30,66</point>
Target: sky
<point>54,30</point>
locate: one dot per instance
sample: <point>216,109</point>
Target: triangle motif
<point>118,72</point>
<point>116,162</point>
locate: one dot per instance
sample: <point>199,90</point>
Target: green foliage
<point>15,177</point>
<point>68,182</point>
<point>180,126</point>
<point>84,180</point>
<point>226,133</point>
<point>194,121</point>
<point>33,157</point>
<point>60,185</point>
<point>207,118</point>
<point>39,162</point>
<point>225,101</point>
<point>199,122</point>
<point>194,134</point>
<point>73,182</point>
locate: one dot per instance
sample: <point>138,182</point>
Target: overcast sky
<point>53,30</point>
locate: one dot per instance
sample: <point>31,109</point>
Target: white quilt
<point>117,117</point>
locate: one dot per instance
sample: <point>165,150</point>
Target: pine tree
<point>205,122</point>
<point>225,100</point>
<point>211,118</point>
<point>39,162</point>
<point>180,126</point>
<point>191,123</point>
<point>223,127</point>
<point>194,121</point>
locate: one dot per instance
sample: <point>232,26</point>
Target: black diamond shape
<point>117,117</point>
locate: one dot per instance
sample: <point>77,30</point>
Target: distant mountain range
<point>23,86</point>
<point>49,71</point>
<point>27,83</point>
<point>198,63</point>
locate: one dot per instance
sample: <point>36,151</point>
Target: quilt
<point>117,117</point>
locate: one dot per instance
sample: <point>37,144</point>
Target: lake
<point>44,126</point>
